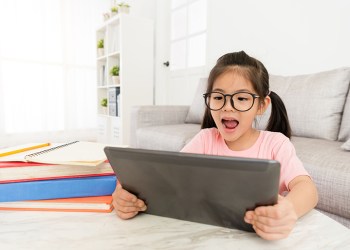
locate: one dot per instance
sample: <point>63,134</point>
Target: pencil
<point>16,151</point>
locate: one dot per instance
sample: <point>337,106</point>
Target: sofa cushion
<point>197,108</point>
<point>314,102</point>
<point>329,167</point>
<point>171,137</point>
<point>344,133</point>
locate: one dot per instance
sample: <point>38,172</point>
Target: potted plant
<point>114,72</point>
<point>114,10</point>
<point>124,8</point>
<point>104,104</point>
<point>100,47</point>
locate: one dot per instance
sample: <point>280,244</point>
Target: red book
<point>101,204</point>
<point>25,171</point>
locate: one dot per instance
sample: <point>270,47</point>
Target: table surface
<point>60,230</point>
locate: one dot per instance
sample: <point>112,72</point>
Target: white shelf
<point>128,43</point>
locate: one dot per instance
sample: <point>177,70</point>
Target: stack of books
<point>66,177</point>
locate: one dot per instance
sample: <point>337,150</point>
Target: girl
<point>238,91</point>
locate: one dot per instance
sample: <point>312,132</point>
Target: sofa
<point>318,107</point>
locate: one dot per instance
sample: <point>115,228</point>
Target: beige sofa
<point>318,106</point>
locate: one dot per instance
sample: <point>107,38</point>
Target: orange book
<point>100,204</point>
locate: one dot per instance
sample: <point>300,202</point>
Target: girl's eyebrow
<point>239,90</point>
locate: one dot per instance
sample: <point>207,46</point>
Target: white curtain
<point>47,70</point>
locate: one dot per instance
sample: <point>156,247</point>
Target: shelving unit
<point>128,43</point>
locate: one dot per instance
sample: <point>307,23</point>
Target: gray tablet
<point>208,189</point>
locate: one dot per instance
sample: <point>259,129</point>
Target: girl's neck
<point>245,142</point>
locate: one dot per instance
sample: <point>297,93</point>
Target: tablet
<point>215,190</point>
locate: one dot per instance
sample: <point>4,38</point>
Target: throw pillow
<point>314,102</point>
<point>344,133</point>
<point>346,145</point>
<point>197,108</point>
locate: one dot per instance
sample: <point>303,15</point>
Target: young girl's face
<point>235,126</point>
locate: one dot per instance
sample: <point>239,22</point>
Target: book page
<point>80,153</point>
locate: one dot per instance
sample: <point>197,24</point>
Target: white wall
<point>290,37</point>
<point>142,8</point>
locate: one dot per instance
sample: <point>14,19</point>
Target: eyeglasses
<point>241,101</point>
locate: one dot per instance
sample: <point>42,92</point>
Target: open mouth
<point>230,123</point>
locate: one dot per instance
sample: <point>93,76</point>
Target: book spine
<point>61,188</point>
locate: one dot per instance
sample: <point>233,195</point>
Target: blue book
<point>58,188</point>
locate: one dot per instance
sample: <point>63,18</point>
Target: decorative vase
<point>106,16</point>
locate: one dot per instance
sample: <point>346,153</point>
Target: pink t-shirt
<point>269,145</point>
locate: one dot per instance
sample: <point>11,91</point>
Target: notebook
<point>215,190</point>
<point>73,153</point>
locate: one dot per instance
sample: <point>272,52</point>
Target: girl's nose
<point>229,105</point>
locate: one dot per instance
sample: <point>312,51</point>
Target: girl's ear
<point>264,105</point>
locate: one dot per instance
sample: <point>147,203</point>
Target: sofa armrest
<point>155,115</point>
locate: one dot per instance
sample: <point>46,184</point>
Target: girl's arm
<point>303,195</point>
<point>276,222</point>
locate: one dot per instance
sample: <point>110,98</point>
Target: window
<point>47,69</point>
<point>188,34</point>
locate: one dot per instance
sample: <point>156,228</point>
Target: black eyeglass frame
<point>205,95</point>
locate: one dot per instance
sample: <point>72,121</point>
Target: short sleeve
<point>196,145</point>
<point>291,165</point>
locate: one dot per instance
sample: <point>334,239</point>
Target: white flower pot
<point>100,52</point>
<point>115,80</point>
<point>104,111</point>
<point>124,9</point>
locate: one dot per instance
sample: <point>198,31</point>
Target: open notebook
<point>73,153</point>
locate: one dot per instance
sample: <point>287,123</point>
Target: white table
<point>59,230</point>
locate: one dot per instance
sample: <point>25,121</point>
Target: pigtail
<point>208,121</point>
<point>278,121</point>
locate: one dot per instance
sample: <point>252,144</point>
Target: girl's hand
<point>126,204</point>
<point>273,222</point>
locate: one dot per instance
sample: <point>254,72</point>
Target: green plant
<point>114,71</point>
<point>100,44</point>
<point>104,102</point>
<point>114,9</point>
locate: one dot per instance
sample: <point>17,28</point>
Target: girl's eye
<point>242,99</point>
<point>217,97</point>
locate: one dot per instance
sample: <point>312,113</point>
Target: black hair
<point>253,70</point>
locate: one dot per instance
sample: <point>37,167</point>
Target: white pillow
<point>314,102</point>
<point>196,111</point>
<point>344,132</point>
<point>346,145</point>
